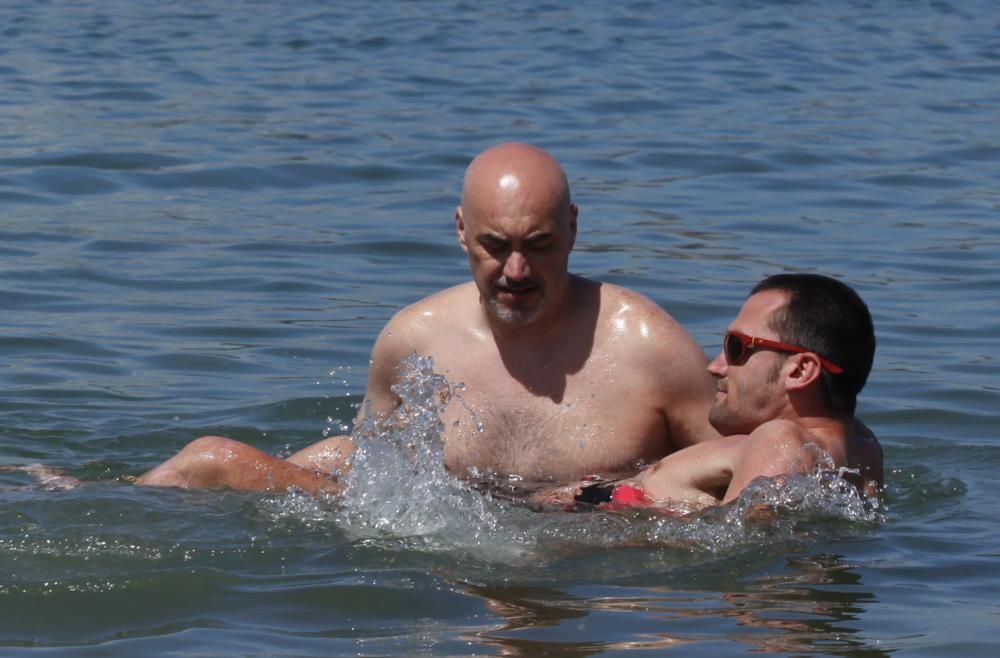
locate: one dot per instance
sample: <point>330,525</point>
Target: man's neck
<point>811,412</point>
<point>827,427</point>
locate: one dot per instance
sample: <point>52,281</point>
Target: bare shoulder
<point>778,436</point>
<point>438,305</point>
<point>786,446</point>
<point>422,328</point>
<point>639,316</point>
<point>777,447</point>
<point>618,298</point>
<point>413,327</point>
<point>663,363</point>
<point>653,344</point>
<point>774,448</point>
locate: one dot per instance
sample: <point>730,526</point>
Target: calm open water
<point>209,209</point>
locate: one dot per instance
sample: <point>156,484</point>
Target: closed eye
<point>494,246</point>
<point>541,243</point>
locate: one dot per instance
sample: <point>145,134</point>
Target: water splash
<point>399,492</point>
<point>399,488</point>
<point>777,509</point>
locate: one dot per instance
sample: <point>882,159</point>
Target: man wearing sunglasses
<point>791,366</point>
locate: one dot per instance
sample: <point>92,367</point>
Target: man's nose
<point>718,365</point>
<point>516,266</point>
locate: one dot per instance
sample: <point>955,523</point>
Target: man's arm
<point>695,477</point>
<point>716,472</point>
<point>333,454</point>
<point>688,388</point>
<point>668,356</point>
<point>691,394</point>
<point>398,339</point>
<point>698,474</point>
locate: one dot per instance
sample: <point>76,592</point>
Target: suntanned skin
<point>563,376</point>
<point>770,408</point>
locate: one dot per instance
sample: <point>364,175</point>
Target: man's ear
<point>804,369</point>
<point>460,229</point>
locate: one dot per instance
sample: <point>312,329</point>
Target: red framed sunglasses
<point>738,347</point>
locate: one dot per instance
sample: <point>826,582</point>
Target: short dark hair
<point>828,317</point>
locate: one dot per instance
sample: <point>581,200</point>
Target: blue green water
<point>209,209</point>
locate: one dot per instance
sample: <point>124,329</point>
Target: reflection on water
<point>804,610</point>
<point>811,605</point>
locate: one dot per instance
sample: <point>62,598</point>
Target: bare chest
<point>587,422</point>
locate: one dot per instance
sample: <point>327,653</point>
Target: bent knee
<point>210,445</point>
<point>196,465</point>
<point>205,456</point>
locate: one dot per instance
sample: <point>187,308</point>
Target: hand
<point>561,498</point>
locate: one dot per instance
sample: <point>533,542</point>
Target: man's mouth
<point>517,288</point>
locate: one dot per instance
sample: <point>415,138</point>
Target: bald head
<point>518,177</point>
<point>518,226</point>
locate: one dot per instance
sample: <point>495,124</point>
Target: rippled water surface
<point>209,209</point>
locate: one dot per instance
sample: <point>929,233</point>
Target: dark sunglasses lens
<point>733,347</point>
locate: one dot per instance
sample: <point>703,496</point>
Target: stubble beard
<point>516,315</point>
<point>722,419</point>
<point>728,420</point>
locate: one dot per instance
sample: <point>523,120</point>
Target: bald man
<point>563,376</point>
